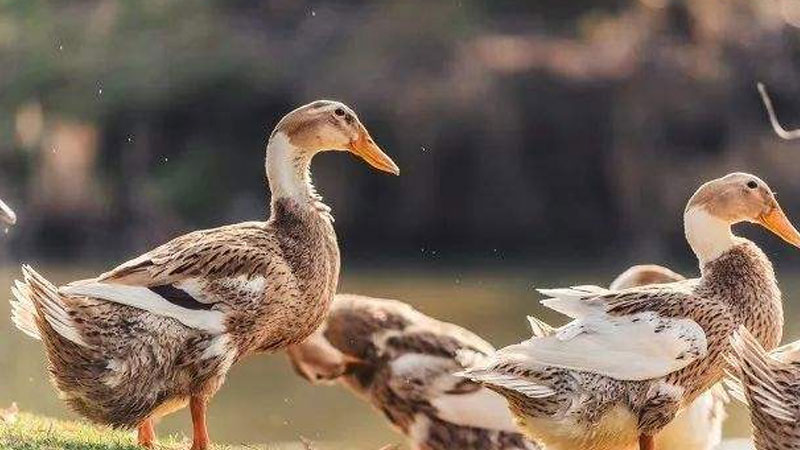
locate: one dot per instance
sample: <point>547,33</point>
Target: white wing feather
<point>210,321</point>
<point>636,346</point>
<point>480,409</point>
<point>575,301</point>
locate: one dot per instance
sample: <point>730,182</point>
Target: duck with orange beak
<point>632,359</point>
<point>162,330</point>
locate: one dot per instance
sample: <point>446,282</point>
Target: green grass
<point>30,432</point>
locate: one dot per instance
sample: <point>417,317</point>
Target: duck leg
<point>647,442</point>
<point>147,434</point>
<point>198,406</point>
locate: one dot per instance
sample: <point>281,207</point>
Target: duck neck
<point>288,171</point>
<point>708,235</point>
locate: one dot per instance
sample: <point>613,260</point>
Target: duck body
<point>163,329</point>
<point>575,409</point>
<point>402,362</point>
<point>632,359</point>
<point>697,427</point>
<point>151,363</point>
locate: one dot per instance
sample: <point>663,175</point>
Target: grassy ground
<point>29,432</point>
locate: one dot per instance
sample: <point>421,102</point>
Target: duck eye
<point>339,112</point>
<point>752,184</point>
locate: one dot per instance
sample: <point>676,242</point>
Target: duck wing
<point>626,335</point>
<point>425,375</point>
<point>172,280</point>
<point>764,380</point>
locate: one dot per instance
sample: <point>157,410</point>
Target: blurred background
<point>540,142</point>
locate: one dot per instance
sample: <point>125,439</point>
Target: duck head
<point>319,126</point>
<point>734,198</point>
<point>330,125</point>
<point>643,275</point>
<point>316,360</point>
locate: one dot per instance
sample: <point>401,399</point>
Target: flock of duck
<point>641,364</point>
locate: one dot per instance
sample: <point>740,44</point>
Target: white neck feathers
<point>708,235</point>
<point>288,170</point>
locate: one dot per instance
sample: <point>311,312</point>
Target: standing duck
<point>770,384</point>
<point>402,362</point>
<point>632,359</point>
<point>162,330</point>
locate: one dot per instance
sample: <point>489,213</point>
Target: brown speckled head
<point>330,125</point>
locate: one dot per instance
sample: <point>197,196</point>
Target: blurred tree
<point>544,129</point>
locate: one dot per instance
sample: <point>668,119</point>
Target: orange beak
<point>369,151</point>
<point>775,221</point>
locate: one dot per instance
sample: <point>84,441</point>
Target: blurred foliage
<point>545,129</point>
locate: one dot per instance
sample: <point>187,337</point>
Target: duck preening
<point>769,383</point>
<point>632,359</point>
<point>402,362</point>
<point>162,330</point>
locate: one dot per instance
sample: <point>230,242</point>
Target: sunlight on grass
<point>31,432</point>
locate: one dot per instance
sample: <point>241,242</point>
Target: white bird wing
<point>760,377</point>
<point>429,378</point>
<point>145,298</point>
<point>171,280</point>
<point>616,334</point>
<point>481,408</point>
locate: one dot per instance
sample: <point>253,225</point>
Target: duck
<point>402,361</point>
<point>161,331</point>
<point>632,359</point>
<point>699,426</point>
<point>769,383</point>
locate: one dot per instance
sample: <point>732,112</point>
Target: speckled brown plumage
<point>769,383</point>
<point>652,350</point>
<point>737,288</point>
<point>402,361</point>
<point>160,361</point>
<point>163,329</point>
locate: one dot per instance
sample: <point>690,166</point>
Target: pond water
<point>264,402</point>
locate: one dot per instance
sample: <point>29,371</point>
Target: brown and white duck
<point>162,330</point>
<point>632,359</point>
<point>769,383</point>
<point>402,362</point>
